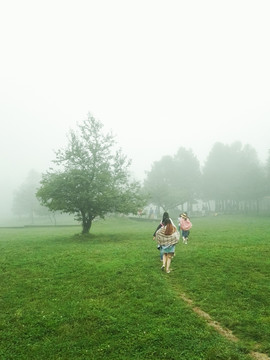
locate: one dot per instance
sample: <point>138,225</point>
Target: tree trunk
<point>86,224</point>
<point>86,227</point>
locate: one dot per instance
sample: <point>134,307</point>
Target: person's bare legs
<point>169,259</point>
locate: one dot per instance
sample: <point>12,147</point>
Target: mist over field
<point>161,75</point>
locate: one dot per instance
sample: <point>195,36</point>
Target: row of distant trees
<point>91,179</point>
<point>25,202</point>
<point>232,176</point>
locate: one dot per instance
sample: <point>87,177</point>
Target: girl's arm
<point>159,226</point>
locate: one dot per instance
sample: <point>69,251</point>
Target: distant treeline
<point>232,180</point>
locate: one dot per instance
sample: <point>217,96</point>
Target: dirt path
<point>224,332</point>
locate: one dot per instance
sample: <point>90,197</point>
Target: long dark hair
<point>164,217</point>
<point>169,227</point>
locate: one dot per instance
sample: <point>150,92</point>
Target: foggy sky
<point>159,74</point>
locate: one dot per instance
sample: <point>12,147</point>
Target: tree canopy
<point>173,180</point>
<point>233,173</point>
<point>91,178</point>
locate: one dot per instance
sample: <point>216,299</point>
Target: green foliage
<point>92,179</point>
<point>232,176</point>
<point>173,181</point>
<point>233,173</point>
<point>64,297</point>
<point>25,201</point>
<point>267,171</point>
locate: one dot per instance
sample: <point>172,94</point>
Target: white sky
<point>160,73</point>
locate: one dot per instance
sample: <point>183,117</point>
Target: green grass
<point>65,296</point>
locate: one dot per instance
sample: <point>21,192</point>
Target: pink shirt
<point>185,224</point>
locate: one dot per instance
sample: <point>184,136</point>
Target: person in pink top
<point>185,226</point>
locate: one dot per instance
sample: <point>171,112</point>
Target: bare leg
<point>169,258</point>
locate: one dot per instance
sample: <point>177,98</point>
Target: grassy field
<point>64,296</point>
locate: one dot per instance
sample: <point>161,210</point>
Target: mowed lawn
<point>65,296</point>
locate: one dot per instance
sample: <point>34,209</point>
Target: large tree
<point>91,178</point>
<point>173,181</point>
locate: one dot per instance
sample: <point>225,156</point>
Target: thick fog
<point>159,74</point>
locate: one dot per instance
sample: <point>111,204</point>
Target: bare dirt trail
<point>221,330</point>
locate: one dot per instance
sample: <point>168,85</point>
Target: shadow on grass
<point>94,238</point>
